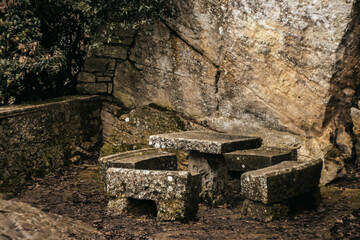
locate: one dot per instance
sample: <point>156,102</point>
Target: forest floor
<point>78,192</point>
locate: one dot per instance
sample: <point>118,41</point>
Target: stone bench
<point>271,192</point>
<point>149,158</point>
<point>146,181</point>
<point>253,159</point>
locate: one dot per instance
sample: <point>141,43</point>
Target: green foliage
<point>43,42</point>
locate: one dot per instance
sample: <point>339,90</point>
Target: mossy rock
<point>132,130</point>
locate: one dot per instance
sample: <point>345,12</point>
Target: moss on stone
<point>132,130</point>
<point>42,137</point>
<point>172,209</point>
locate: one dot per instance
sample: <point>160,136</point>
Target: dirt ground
<point>77,192</point>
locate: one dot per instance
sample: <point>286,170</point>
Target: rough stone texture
<point>86,77</point>
<point>281,182</point>
<point>355,115</point>
<point>126,131</point>
<point>104,79</point>
<point>110,51</point>
<point>248,160</point>
<point>214,177</point>
<point>21,221</point>
<point>93,64</point>
<point>38,138</point>
<point>262,211</point>
<point>205,157</point>
<point>280,210</point>
<point>163,69</point>
<point>175,193</point>
<point>110,115</point>
<point>204,142</point>
<point>95,88</point>
<point>150,159</point>
<point>285,70</point>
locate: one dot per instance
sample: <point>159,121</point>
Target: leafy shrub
<point>43,42</point>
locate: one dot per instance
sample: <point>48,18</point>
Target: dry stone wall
<point>37,138</point>
<point>287,71</point>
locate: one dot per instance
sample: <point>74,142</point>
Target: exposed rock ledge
<point>21,221</point>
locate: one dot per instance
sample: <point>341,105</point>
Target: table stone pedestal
<point>214,176</point>
<point>206,157</point>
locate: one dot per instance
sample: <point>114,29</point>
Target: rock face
<point>21,221</point>
<point>285,70</point>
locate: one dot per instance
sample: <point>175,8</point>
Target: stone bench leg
<point>214,176</point>
<point>167,210</point>
<point>171,195</point>
<point>120,205</point>
<point>280,210</point>
<point>174,209</point>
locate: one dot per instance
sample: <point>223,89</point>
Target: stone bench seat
<point>143,180</point>
<point>149,158</point>
<point>272,189</point>
<point>253,159</point>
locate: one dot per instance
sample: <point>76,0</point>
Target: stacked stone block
<point>137,177</point>
<point>100,66</point>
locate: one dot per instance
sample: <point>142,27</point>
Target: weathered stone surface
<point>104,79</point>
<point>174,192</point>
<point>112,51</point>
<point>205,142</point>
<point>253,67</point>
<point>248,160</point>
<point>112,65</point>
<point>21,221</point>
<point>164,70</point>
<point>110,114</point>
<point>280,182</point>
<point>262,211</point>
<point>150,159</point>
<point>214,177</point>
<point>38,138</point>
<point>205,157</point>
<point>86,77</point>
<point>281,210</point>
<point>126,131</point>
<point>94,88</point>
<point>355,115</point>
<point>93,64</point>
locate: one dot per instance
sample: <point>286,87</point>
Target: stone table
<point>206,157</point>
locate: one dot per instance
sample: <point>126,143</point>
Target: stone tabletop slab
<point>205,142</point>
